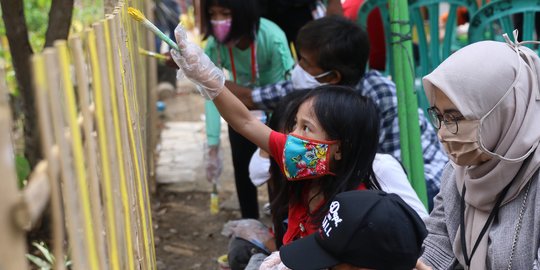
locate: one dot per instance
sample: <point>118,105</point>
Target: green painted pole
<point>397,76</point>
<point>411,147</point>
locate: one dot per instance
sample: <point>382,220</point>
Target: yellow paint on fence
<point>138,155</point>
<point>78,156</point>
<point>78,56</point>
<point>137,169</point>
<point>106,171</point>
<point>119,152</point>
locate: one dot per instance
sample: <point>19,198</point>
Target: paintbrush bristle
<point>136,14</point>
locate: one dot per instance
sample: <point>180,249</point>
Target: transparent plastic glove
<point>248,229</point>
<point>273,262</point>
<point>255,261</point>
<point>213,162</point>
<point>196,66</point>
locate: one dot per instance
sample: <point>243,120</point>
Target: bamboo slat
<point>50,151</point>
<point>71,202</point>
<point>12,239</point>
<point>90,148</point>
<point>134,137</point>
<point>117,260</point>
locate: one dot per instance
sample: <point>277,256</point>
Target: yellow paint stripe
<point>143,183</point>
<point>119,152</point>
<point>144,188</point>
<point>105,165</point>
<point>136,160</point>
<point>78,155</point>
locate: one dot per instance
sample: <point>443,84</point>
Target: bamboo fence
<point>95,98</point>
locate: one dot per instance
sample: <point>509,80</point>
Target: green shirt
<point>273,60</point>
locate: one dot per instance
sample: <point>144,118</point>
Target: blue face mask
<point>305,158</point>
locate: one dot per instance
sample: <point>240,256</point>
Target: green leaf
<point>45,251</point>
<point>43,265</point>
<point>23,169</point>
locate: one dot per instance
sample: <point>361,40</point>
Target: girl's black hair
<point>245,18</point>
<point>287,105</point>
<point>340,45</point>
<point>351,119</point>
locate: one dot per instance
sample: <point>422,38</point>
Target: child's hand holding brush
<point>189,57</point>
<point>196,65</point>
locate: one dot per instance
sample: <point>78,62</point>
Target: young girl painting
<point>330,149</point>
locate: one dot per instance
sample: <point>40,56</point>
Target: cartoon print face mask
<point>305,158</point>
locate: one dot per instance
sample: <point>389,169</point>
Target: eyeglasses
<point>450,120</point>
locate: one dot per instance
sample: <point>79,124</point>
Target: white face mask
<point>303,80</point>
<point>259,169</point>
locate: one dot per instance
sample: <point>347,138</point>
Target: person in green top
<point>255,52</point>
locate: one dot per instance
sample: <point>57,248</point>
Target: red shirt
<point>276,144</point>
<point>299,224</point>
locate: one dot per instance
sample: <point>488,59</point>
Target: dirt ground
<point>186,235</point>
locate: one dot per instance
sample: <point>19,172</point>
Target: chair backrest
<point>363,12</point>
<point>498,17</point>
<point>432,51</point>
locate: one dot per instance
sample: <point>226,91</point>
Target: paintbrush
<point>139,16</point>
<point>152,54</point>
<point>214,199</point>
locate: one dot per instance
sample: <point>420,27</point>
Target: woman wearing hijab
<point>486,104</point>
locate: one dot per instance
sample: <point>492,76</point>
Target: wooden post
<point>12,239</point>
<point>151,115</point>
<point>50,152</point>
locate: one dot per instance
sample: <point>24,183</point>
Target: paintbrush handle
<point>160,34</point>
<point>214,200</point>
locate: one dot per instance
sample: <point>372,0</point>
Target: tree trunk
<point>20,49</point>
<point>17,34</point>
<point>59,21</point>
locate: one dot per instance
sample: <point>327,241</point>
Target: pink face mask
<point>221,29</point>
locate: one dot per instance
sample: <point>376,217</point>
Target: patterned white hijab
<point>498,84</point>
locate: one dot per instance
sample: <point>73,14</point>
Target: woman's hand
<point>196,66</point>
<point>273,262</point>
<point>213,162</point>
<point>421,266</point>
